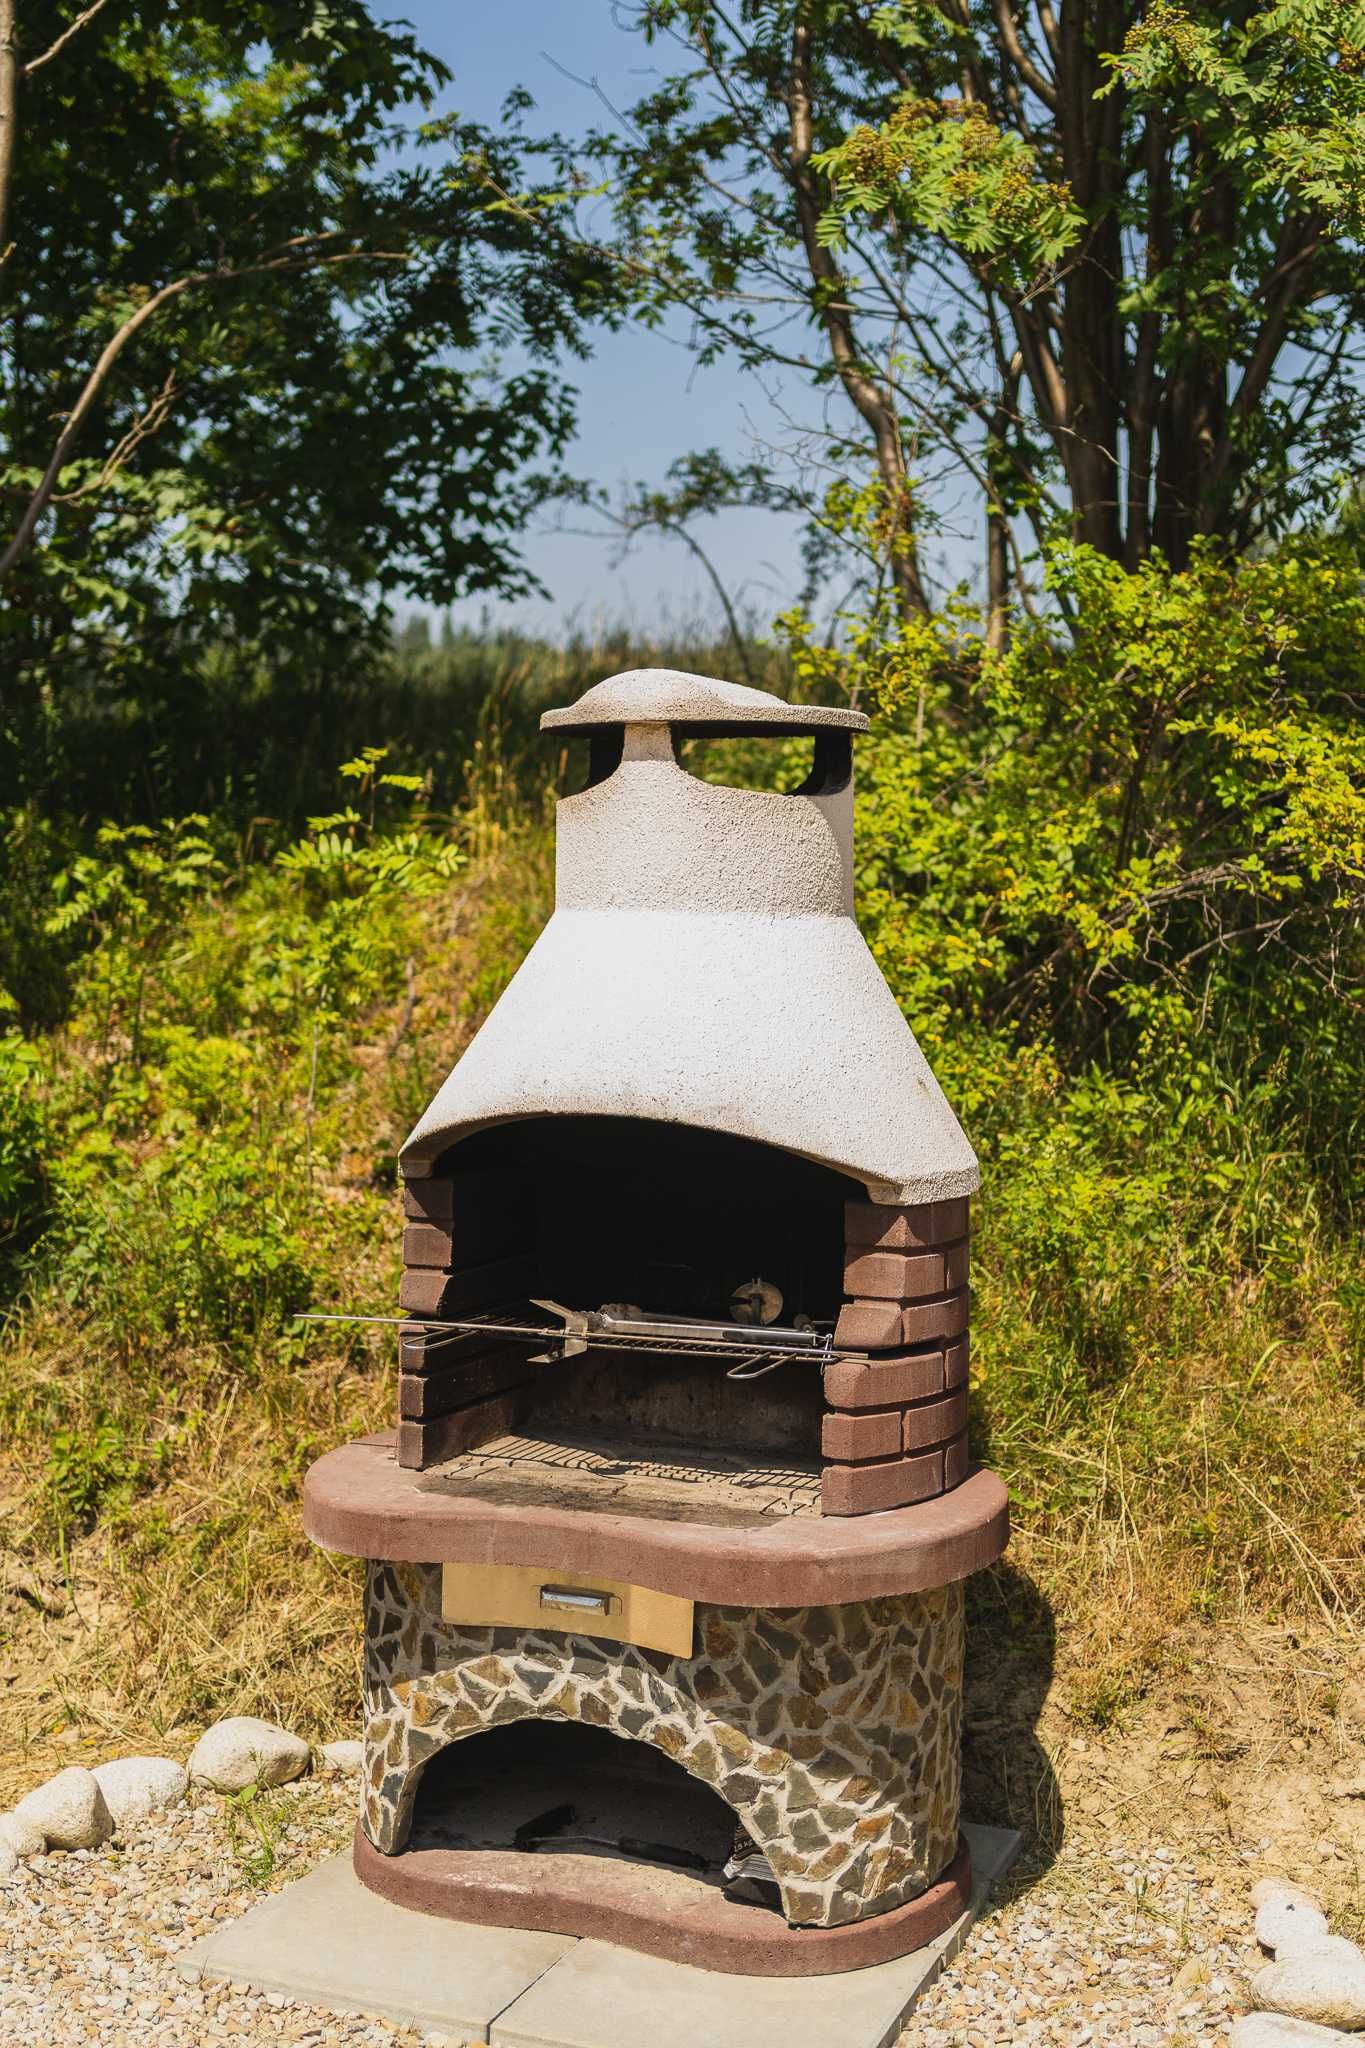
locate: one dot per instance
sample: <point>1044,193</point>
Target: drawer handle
<point>581,1602</point>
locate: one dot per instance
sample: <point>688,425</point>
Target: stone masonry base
<point>833,1733</point>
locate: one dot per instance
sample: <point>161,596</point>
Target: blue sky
<point>643,401</point>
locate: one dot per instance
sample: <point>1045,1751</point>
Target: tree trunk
<point>9,114</point>
<point>1193,414</point>
<point>997,582</point>
<point>1091,135</point>
<point>1144,383</point>
<point>997,511</point>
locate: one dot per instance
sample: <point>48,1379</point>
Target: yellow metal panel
<point>542,1596</point>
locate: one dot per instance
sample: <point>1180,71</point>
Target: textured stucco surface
<point>654,696</point>
<point>655,839</point>
<point>703,967</point>
<point>832,1732</point>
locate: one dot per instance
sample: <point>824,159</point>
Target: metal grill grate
<point>753,1351</point>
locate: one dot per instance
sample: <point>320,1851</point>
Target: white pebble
<point>1309,1987</point>
<point>69,1809</point>
<point>243,1751</point>
<point>136,1786</point>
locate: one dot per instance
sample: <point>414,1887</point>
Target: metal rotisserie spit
<point>666,1555</point>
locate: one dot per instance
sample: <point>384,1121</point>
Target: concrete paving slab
<point>597,1996</point>
<point>330,1942</point>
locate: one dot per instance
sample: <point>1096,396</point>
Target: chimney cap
<point>669,696</point>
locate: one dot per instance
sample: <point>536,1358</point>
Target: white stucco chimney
<point>702,965</point>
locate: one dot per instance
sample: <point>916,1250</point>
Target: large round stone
<point>342,1759</point>
<point>25,1837</point>
<point>69,1810</point>
<point>1310,1987</point>
<point>1286,1918</point>
<point>1273,2030</point>
<point>1334,1945</point>
<point>1267,1888</point>
<point>243,1751</point>
<point>136,1786</point>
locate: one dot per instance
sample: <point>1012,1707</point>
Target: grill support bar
<point>581,1328</point>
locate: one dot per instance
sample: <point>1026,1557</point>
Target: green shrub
<point>92,1466</point>
<point>1116,876</point>
<point>202,1243</point>
<point>24,1141</point>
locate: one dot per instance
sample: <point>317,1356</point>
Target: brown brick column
<point>895,1430</point>
<point>466,1249</point>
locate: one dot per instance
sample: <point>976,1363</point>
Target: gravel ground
<point>87,1940</point>
<point>1105,1947</point>
<point>1102,1948</point>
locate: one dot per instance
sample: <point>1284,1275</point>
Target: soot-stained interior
<point>672,1220</point>
<point>547,1788</point>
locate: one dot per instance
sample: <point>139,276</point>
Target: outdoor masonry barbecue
<point>664,1604</point>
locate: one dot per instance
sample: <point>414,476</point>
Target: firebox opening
<point>676,1221</point>
<point>551,1791</point>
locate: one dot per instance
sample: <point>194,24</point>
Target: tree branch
<point>144,426</point>
<point>1042,368</point>
<point>870,403</point>
<point>114,347</point>
<point>11,71</point>
<point>9,112</point>
<point>1049,25</point>
<point>1019,57</point>
<point>662,523</point>
<point>1290,283</point>
<point>53,49</point>
<point>973,79</point>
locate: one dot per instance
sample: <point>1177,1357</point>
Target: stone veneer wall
<point>833,1732</point>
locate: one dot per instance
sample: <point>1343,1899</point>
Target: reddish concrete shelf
<point>359,1501</point>
<point>662,1913</point>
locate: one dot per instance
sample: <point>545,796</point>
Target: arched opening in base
<point>573,1830</point>
<point>556,1795</point>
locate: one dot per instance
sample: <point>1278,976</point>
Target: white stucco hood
<point>702,965</point>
